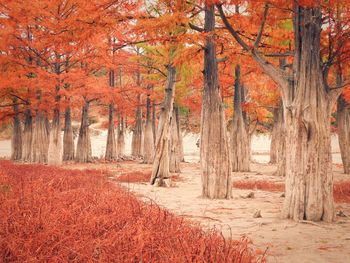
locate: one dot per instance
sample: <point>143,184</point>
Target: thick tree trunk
<point>136,143</point>
<point>309,178</point>
<point>148,140</point>
<point>343,119</point>
<point>68,139</point>
<point>55,141</point>
<point>40,143</point>
<point>160,170</point>
<point>83,153</point>
<point>111,147</point>
<point>214,150</point>
<point>179,134</point>
<point>121,137</point>
<point>275,138</point>
<point>27,136</point>
<point>16,142</point>
<point>174,150</point>
<point>240,146</point>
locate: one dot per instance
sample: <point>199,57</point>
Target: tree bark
<point>174,150</point>
<point>148,140</point>
<point>280,142</point>
<point>179,134</point>
<point>154,128</point>
<point>16,142</point>
<point>111,147</point>
<point>240,146</point>
<point>121,137</point>
<point>214,150</point>
<point>160,170</point>
<point>137,132</point>
<point>40,143</point>
<point>309,177</point>
<point>27,135</point>
<point>55,141</point>
<point>83,153</point>
<point>343,120</point>
<point>68,138</point>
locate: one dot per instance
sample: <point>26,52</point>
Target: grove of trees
<point>162,68</point>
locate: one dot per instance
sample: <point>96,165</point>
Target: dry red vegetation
<point>141,177</point>
<point>341,190</point>
<point>54,215</point>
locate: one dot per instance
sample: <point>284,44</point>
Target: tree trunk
<point>343,119</point>
<point>309,177</point>
<point>83,153</point>
<point>160,170</point>
<point>68,139</point>
<point>55,141</point>
<point>111,147</point>
<point>154,128</point>
<point>40,143</point>
<point>16,142</point>
<point>174,150</point>
<point>275,138</point>
<point>179,134</point>
<point>240,146</point>
<point>27,136</point>
<point>214,150</point>
<point>280,142</point>
<point>137,132</point>
<point>121,137</point>
<point>148,140</point>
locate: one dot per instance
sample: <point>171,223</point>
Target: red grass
<point>341,190</point>
<point>53,215</point>
<point>134,177</point>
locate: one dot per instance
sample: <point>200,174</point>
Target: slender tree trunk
<point>240,146</point>
<point>214,150</point>
<point>174,150</point>
<point>121,137</point>
<point>68,139</point>
<point>160,170</point>
<point>275,135</point>
<point>40,143</point>
<point>154,128</point>
<point>16,142</point>
<point>309,177</point>
<point>137,132</point>
<point>27,136</point>
<point>280,142</point>
<point>83,153</point>
<point>343,119</point>
<point>179,134</point>
<point>148,135</point>
<point>55,141</point>
<point>111,147</point>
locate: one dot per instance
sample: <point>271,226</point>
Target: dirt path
<point>287,241</point>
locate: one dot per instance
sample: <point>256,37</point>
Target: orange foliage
<point>55,215</point>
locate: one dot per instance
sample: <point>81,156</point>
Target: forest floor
<point>283,240</point>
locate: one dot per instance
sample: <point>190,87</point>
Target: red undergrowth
<point>49,214</point>
<point>341,190</point>
<point>141,177</point>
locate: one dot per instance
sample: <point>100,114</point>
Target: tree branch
<point>258,38</point>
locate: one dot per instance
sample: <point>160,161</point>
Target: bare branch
<point>258,38</point>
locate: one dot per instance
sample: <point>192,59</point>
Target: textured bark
<point>121,136</point>
<point>83,153</point>
<point>343,119</point>
<point>179,134</point>
<point>111,147</point>
<point>154,128</point>
<point>148,141</point>
<point>136,143</point>
<point>174,150</point>
<point>27,136</point>
<point>214,150</point>
<point>275,138</point>
<point>55,141</point>
<point>160,170</point>
<point>40,143</point>
<point>16,142</point>
<point>68,138</point>
<point>309,177</point>
<point>240,146</point>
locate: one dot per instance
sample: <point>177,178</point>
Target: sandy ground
<point>285,240</point>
